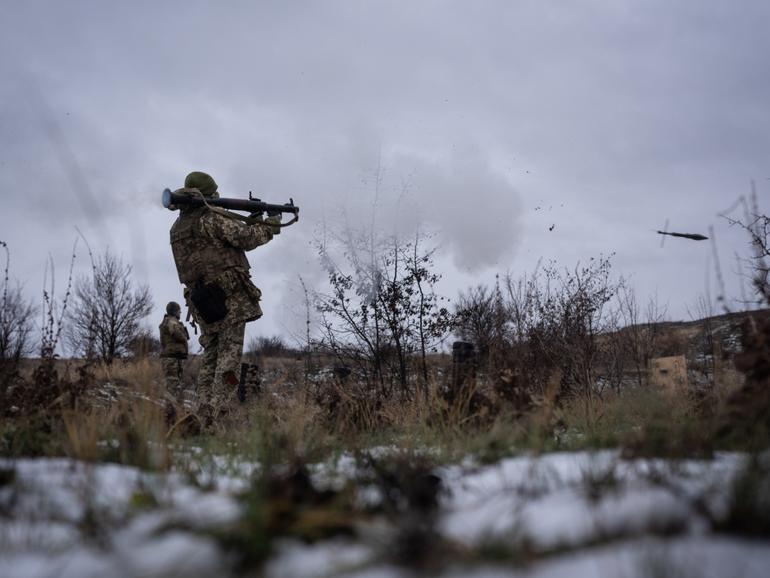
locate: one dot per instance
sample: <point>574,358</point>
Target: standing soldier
<point>210,255</point>
<point>173,348</point>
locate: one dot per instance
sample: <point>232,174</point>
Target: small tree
<point>382,309</point>
<point>107,310</point>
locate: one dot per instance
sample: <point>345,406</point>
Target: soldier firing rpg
<point>209,243</point>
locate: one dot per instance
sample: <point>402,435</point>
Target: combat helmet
<point>173,308</point>
<point>203,182</point>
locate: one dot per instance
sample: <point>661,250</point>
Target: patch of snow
<point>330,558</point>
<point>72,519</point>
<point>548,499</point>
<point>69,518</point>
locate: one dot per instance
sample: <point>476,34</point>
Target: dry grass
<point>141,373</point>
<point>291,418</point>
<point>85,431</point>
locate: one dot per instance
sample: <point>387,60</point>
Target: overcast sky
<point>513,130</point>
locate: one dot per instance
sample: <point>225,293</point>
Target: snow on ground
<point>565,499</point>
<point>587,514</point>
<point>689,557</point>
<point>67,518</point>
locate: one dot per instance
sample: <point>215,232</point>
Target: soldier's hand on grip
<point>274,219</point>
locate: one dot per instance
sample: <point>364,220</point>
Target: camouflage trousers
<point>172,371</point>
<point>221,366</point>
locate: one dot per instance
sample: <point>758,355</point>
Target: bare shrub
<point>107,310</point>
<point>145,343</point>
<point>570,313</point>
<point>54,309</point>
<point>480,318</point>
<point>756,224</point>
<point>382,314</point>
<point>16,324</point>
<point>543,326</point>
<point>641,332</point>
<point>705,347</point>
<point>33,404</point>
<point>746,417</point>
<point>47,387</point>
<point>273,346</point>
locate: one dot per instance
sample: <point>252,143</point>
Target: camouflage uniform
<point>173,344</point>
<point>209,251</point>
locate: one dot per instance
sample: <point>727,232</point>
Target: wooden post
<point>463,364</point>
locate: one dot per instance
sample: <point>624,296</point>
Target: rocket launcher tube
<point>172,200</point>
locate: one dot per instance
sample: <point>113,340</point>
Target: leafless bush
<point>569,314</point>
<point>273,346</point>
<point>16,314</point>
<point>382,314</point>
<point>54,310</point>
<point>107,310</point>
<point>481,318</point>
<point>756,224</point>
<point>641,333</point>
<point>542,327</point>
<point>705,350</point>
<point>145,343</point>
<point>760,233</point>
<point>38,395</point>
<point>747,412</point>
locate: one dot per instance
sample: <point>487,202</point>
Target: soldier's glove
<point>274,220</point>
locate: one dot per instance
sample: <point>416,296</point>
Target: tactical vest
<point>197,256</point>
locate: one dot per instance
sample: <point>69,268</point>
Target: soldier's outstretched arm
<point>237,234</point>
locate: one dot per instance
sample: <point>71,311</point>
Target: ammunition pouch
<point>209,300</point>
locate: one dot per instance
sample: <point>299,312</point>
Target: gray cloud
<point>608,118</point>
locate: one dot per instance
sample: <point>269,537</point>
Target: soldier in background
<point>173,348</point>
<point>210,255</point>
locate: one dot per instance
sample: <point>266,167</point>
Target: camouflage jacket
<point>173,338</point>
<point>211,248</point>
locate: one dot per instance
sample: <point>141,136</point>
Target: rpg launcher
<point>173,200</point>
